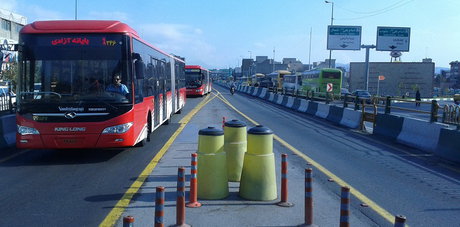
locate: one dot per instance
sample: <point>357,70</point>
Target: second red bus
<point>197,80</point>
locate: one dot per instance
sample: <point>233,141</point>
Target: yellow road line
<point>123,203</point>
<point>381,211</point>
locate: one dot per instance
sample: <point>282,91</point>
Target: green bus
<point>316,80</point>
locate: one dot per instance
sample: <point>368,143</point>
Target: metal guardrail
<point>6,106</point>
<point>450,114</point>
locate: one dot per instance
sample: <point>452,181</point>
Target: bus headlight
<point>118,129</point>
<point>23,130</point>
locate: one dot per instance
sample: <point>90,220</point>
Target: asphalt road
<point>400,179</point>
<point>80,187</point>
<point>72,187</point>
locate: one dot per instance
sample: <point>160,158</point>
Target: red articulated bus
<point>93,84</point>
<point>197,80</point>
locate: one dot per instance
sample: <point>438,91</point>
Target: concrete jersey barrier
<point>335,114</point>
<point>322,111</point>
<point>312,108</point>
<point>303,105</point>
<point>448,145</point>
<point>8,130</point>
<point>388,126</point>
<point>420,134</point>
<point>351,118</point>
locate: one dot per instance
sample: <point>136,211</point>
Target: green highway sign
<point>343,37</point>
<point>393,38</point>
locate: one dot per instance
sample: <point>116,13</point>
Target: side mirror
<point>140,69</point>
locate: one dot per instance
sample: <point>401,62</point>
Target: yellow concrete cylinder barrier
<point>258,177</point>
<point>235,145</point>
<point>212,164</point>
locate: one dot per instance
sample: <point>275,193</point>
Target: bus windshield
<point>67,68</point>
<point>193,80</point>
<point>331,75</point>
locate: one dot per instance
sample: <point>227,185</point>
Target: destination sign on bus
<point>79,40</point>
<point>192,70</point>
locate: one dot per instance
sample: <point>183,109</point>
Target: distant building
<point>247,67</point>
<point>294,65</point>
<point>260,59</point>
<point>324,64</point>
<point>455,74</point>
<point>11,24</point>
<point>400,78</point>
<point>262,64</point>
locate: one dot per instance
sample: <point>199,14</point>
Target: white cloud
<point>183,40</point>
<point>36,12</point>
<point>44,14</point>
<point>10,5</point>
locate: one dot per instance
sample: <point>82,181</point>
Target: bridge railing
<point>6,104</point>
<point>448,114</point>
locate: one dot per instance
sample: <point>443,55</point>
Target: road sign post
<point>366,70</point>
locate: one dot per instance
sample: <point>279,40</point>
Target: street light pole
<point>332,23</point>
<point>75,9</point>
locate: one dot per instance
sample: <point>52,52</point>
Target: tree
<point>11,73</point>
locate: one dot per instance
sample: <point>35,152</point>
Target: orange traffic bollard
<point>308,198</point>
<point>128,221</point>
<point>193,184</point>
<point>345,207</point>
<point>400,221</point>
<point>284,183</point>
<point>180,201</point>
<point>159,206</point>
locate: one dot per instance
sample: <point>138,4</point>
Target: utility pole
<point>76,9</point>
<point>309,51</point>
<point>273,59</point>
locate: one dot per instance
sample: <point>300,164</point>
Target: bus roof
<point>313,71</point>
<point>195,67</point>
<point>78,26</point>
<point>85,26</point>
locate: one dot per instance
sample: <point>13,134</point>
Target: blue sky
<point>218,34</point>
